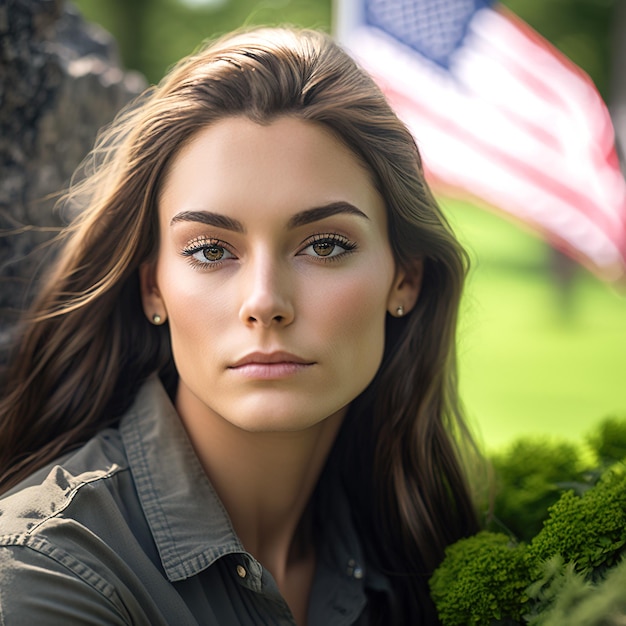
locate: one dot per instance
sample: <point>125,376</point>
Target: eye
<point>328,246</point>
<point>207,253</point>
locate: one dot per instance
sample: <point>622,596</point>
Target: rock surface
<point>60,81</point>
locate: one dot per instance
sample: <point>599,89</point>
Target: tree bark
<point>60,81</point>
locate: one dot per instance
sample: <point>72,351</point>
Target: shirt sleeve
<point>44,588</point>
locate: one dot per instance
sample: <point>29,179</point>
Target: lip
<point>270,365</point>
<point>269,358</point>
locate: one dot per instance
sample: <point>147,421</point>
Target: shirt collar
<point>189,524</point>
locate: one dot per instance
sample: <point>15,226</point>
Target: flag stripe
<point>514,123</point>
<point>431,111</point>
<point>575,228</point>
<point>581,202</point>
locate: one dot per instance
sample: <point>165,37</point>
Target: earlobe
<point>406,288</point>
<point>153,305</point>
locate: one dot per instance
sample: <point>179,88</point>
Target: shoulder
<point>50,492</point>
<point>48,526</point>
<point>32,573</point>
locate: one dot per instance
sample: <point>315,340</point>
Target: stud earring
<point>156,319</point>
<point>400,311</point>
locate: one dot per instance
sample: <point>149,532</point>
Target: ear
<point>406,288</point>
<point>153,305</point>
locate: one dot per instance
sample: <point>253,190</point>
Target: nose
<point>266,300</point>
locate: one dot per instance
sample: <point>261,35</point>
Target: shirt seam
<point>69,498</point>
<point>69,562</point>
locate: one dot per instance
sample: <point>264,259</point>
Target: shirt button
<point>354,570</point>
<point>241,571</point>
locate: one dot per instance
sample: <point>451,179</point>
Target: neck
<point>265,481</point>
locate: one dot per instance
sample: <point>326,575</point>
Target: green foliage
<point>608,441</point>
<point>575,601</point>
<point>573,571</point>
<point>529,475</point>
<point>578,28</point>
<point>483,579</point>
<point>588,530</point>
<point>556,579</point>
<point>154,34</point>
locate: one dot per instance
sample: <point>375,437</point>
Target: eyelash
<point>333,239</point>
<point>199,245</point>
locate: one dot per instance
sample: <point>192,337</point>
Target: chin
<point>282,417</point>
<point>275,423</point>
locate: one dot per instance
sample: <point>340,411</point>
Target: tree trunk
<point>60,81</point>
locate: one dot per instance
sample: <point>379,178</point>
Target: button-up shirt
<point>129,530</point>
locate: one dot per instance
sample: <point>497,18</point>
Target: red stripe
<point>540,41</point>
<point>540,133</point>
<point>577,201</point>
<point>519,61</point>
<point>522,68</point>
<point>613,272</point>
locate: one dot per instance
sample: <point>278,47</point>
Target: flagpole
<point>347,15</point>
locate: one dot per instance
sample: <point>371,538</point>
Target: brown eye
<point>213,253</point>
<point>323,248</point>
<point>207,254</point>
<point>329,246</point>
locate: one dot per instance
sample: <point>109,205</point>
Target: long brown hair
<point>85,345</point>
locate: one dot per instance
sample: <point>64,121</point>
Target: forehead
<point>285,166</point>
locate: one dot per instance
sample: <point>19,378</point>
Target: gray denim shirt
<point>128,530</point>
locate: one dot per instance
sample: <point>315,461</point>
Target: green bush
<point>587,530</point>
<point>573,571</point>
<point>576,601</point>
<point>608,441</point>
<point>483,578</point>
<point>529,478</point>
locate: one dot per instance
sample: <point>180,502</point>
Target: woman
<point>234,399</point>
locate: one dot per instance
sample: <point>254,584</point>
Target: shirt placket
<point>254,577</point>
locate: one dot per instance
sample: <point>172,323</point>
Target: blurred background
<point>542,343</point>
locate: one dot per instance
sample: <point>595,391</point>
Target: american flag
<point>499,115</point>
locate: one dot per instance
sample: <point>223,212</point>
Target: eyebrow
<point>209,218</point>
<point>319,213</point>
<point>299,219</point>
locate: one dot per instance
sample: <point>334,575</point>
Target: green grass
<point>532,360</point>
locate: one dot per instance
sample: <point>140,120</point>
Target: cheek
<point>357,315</point>
<point>195,313</point>
<point>358,303</point>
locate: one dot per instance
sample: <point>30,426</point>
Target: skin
<point>249,271</point>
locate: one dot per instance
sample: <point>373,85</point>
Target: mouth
<point>269,358</point>
<point>272,365</point>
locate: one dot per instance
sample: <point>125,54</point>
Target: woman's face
<point>274,273</point>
